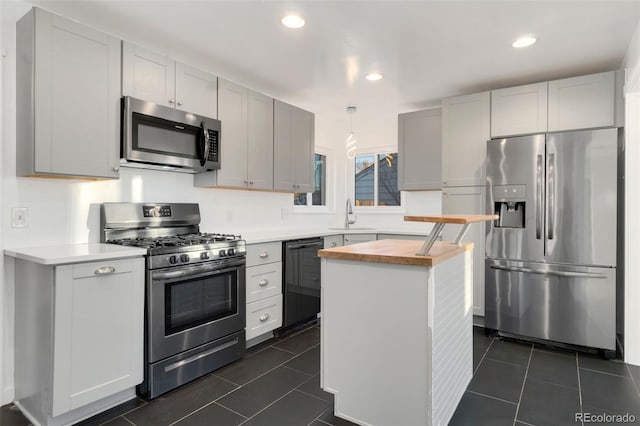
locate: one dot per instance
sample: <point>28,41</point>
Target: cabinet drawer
<point>331,241</point>
<point>264,281</point>
<point>106,267</point>
<point>259,254</point>
<point>264,316</point>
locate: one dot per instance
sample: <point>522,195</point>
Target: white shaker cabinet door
<point>469,200</point>
<point>77,105</point>
<point>196,91</point>
<point>582,102</point>
<point>98,329</point>
<point>293,148</point>
<point>148,75</point>
<point>465,131</point>
<point>519,110</point>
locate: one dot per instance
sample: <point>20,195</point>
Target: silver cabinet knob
<point>264,255</point>
<point>250,182</point>
<point>180,103</point>
<point>333,244</point>
<point>264,282</point>
<point>115,168</point>
<point>246,182</point>
<point>172,101</point>
<point>264,317</point>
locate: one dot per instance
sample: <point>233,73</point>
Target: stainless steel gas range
<point>195,290</point>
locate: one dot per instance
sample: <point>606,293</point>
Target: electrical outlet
<point>19,217</point>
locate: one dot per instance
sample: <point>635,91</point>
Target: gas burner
<point>186,240</point>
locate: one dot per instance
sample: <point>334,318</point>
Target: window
<point>376,180</point>
<point>318,196</point>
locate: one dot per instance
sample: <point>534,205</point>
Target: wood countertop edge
<point>453,218</point>
<point>371,252</point>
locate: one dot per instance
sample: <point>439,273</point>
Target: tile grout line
<point>579,387</point>
<point>125,413</point>
<point>483,356</point>
<point>267,406</point>
<point>526,373</point>
<point>127,420</point>
<point>202,408</point>
<point>313,396</point>
<point>633,379</point>
<point>492,397</point>
<point>605,372</point>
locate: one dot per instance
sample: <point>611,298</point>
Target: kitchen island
<point>396,336</point>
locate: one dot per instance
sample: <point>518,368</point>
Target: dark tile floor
<point>277,384</point>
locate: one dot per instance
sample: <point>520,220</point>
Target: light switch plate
<point>19,217</point>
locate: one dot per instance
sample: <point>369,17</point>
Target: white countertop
<point>74,253</point>
<point>281,234</point>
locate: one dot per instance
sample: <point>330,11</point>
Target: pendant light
<point>351,137</point>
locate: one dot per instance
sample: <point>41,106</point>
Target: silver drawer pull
<point>263,282</point>
<point>264,317</point>
<point>104,270</point>
<point>264,255</point>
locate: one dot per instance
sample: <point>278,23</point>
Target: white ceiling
<point>425,49</point>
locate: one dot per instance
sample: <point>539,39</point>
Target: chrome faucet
<point>349,211</point>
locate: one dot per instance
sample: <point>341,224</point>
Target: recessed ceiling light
<point>525,41</point>
<point>293,21</point>
<point>374,76</point>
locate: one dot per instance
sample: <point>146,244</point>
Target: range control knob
<point>222,253</point>
<point>204,255</point>
<point>184,258</point>
<point>173,260</point>
<point>231,252</point>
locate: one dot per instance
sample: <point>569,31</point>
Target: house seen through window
<point>318,196</point>
<point>376,180</point>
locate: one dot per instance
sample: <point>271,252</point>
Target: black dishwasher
<point>301,280</point>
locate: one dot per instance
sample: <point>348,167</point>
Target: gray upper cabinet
<point>68,98</point>
<point>583,102</point>
<point>293,148</point>
<point>519,110</point>
<point>157,78</point>
<point>465,131</point>
<point>247,140</point>
<point>420,150</point>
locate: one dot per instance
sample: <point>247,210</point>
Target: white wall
<point>632,200</point>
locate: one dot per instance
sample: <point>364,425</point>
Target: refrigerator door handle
<point>545,272</point>
<point>539,198</point>
<point>552,196</point>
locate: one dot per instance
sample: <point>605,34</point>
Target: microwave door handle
<point>205,141</point>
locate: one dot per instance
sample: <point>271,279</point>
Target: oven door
<point>192,305</point>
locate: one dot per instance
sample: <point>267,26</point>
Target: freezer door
<point>515,191</point>
<point>581,197</point>
<point>567,304</point>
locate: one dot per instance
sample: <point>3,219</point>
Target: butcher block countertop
<point>401,252</point>
<point>452,218</point>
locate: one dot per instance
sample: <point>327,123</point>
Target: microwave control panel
<point>213,146</point>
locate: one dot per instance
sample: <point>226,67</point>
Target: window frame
<point>377,209</point>
<point>329,196</point>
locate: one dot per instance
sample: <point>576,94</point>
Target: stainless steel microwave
<point>159,137</point>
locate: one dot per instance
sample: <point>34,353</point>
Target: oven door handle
<point>184,273</point>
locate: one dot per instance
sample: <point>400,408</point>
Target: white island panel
<point>396,342</point>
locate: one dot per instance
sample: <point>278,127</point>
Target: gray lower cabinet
<point>293,148</point>
<point>331,241</point>
<point>420,150</point>
<point>358,238</point>
<point>68,98</point>
<point>79,337</point>
<point>247,134</point>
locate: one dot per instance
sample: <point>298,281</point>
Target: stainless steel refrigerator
<point>550,269</point>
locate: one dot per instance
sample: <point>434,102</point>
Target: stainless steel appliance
<point>195,291</point>
<point>301,280</point>
<point>156,136</point>
<point>551,257</point>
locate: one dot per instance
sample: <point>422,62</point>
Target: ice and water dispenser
<point>509,204</point>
